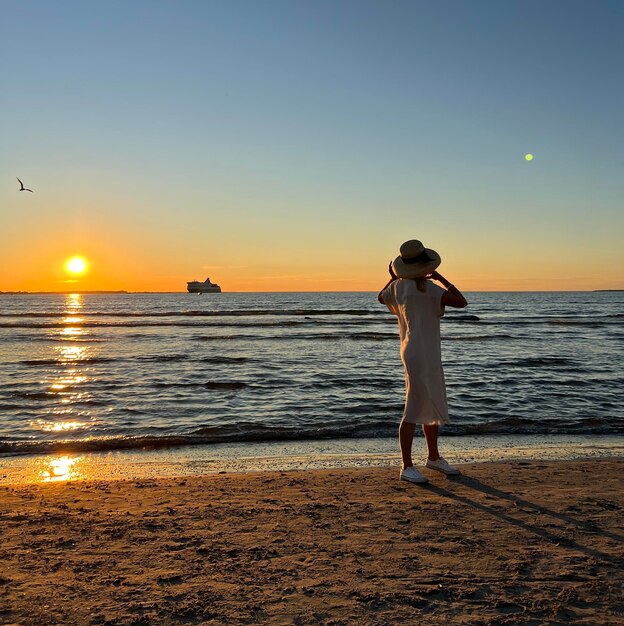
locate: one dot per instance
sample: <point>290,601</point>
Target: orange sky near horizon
<point>309,251</point>
<point>272,248</point>
<point>35,262</point>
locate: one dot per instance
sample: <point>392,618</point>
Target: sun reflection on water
<point>66,383</point>
<point>73,319</point>
<point>65,388</point>
<point>60,468</point>
<point>73,302</point>
<point>73,307</point>
<point>72,332</point>
<point>57,427</point>
<point>73,353</point>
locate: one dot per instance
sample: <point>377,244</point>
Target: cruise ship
<point>206,287</point>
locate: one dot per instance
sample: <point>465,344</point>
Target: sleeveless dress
<point>418,314</point>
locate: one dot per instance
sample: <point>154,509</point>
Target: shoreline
<point>198,460</point>
<point>507,543</point>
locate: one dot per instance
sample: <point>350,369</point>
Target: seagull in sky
<point>23,188</point>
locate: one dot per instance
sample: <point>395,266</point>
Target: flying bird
<point>24,188</point>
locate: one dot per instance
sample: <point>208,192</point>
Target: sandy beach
<point>522,542</point>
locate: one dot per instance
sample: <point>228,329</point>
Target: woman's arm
<point>453,297</point>
<point>393,277</point>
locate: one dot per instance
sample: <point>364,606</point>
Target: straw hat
<point>415,261</point>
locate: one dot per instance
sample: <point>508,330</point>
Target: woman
<point>419,304</point>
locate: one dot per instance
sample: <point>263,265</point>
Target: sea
<point>98,372</point>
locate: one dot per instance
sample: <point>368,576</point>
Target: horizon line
<point>127,292</point>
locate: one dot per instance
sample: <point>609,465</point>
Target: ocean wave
<point>33,395</point>
<point>66,361</point>
<point>372,336</point>
<point>156,358</point>
<point>334,382</point>
<point>462,317</point>
<point>244,431</point>
<point>550,321</point>
<point>477,337</point>
<point>237,431</point>
<point>223,337</point>
<point>199,384</point>
<point>147,324</point>
<point>571,322</point>
<point>197,313</point>
<point>310,313</point>
<point>6,406</point>
<point>162,357</point>
<point>53,396</point>
<point>157,324</point>
<point>218,384</point>
<point>540,361</point>
<point>224,360</point>
<point>318,336</point>
<point>501,425</point>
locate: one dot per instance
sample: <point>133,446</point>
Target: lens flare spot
<point>528,157</point>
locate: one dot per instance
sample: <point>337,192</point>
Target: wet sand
<point>294,455</point>
<point>522,542</point>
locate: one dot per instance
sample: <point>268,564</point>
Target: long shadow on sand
<point>588,527</point>
<point>535,529</point>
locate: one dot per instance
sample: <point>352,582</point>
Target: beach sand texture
<point>508,543</point>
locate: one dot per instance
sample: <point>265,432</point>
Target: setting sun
<point>76,265</point>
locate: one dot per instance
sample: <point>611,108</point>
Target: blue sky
<point>224,130</point>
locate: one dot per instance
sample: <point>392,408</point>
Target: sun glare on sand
<point>76,266</point>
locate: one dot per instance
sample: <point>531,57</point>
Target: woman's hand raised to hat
<point>437,276</point>
<point>392,274</point>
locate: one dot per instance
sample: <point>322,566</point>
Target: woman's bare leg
<point>431,435</point>
<point>406,436</point>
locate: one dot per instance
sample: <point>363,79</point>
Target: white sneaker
<point>441,465</point>
<point>412,475</point>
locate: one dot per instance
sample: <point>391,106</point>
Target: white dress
<point>419,314</point>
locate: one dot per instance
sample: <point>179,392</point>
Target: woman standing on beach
<point>419,304</point>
